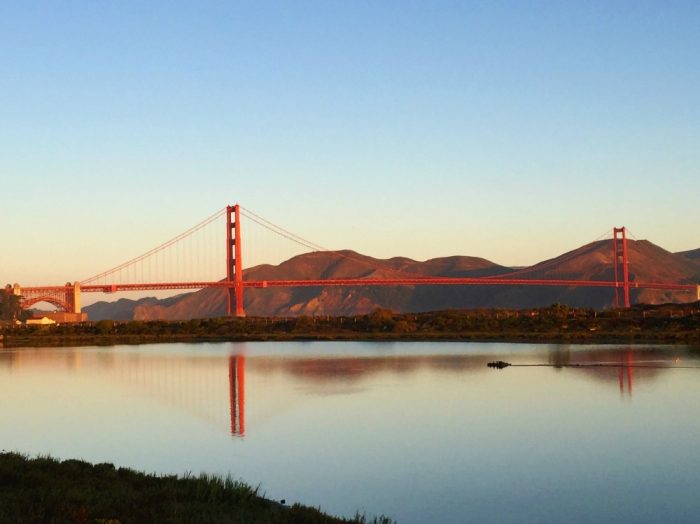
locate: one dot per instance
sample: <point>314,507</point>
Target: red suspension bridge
<point>152,272</point>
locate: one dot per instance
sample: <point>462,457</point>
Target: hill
<point>648,262</point>
<point>123,309</point>
<point>693,254</point>
<point>324,300</point>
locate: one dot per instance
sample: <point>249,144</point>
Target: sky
<point>515,131</point>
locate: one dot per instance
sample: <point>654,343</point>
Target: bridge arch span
<point>66,298</point>
<point>54,301</point>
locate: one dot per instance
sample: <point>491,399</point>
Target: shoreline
<point>20,342</point>
<point>51,490</point>
<point>664,324</point>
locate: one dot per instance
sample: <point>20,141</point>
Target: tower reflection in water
<point>236,380</point>
<point>626,364</point>
<point>604,365</point>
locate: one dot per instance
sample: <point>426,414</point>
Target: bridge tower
<point>234,263</point>
<point>620,263</point>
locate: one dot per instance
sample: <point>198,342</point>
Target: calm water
<point>423,432</point>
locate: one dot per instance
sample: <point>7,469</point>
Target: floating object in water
<point>498,364</point>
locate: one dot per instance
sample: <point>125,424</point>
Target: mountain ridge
<point>648,262</point>
<point>693,254</point>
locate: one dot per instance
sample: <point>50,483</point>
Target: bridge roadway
<point>418,281</point>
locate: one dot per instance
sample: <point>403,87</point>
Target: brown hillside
<point>693,254</point>
<point>322,301</point>
<point>648,263</point>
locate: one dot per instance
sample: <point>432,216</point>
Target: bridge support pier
<point>234,263</point>
<point>73,297</point>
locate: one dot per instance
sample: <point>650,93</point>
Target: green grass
<point>46,490</point>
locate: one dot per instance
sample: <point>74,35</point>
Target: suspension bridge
<point>185,262</point>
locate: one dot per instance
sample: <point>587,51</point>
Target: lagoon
<point>422,432</point>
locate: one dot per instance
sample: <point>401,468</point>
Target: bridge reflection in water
<point>236,380</point>
<point>626,363</point>
<point>212,387</point>
<point>194,384</point>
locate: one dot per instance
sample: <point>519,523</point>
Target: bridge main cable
<point>428,281</point>
<point>155,250</point>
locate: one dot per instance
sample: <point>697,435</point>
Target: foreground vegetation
<point>45,490</point>
<point>11,306</point>
<point>668,323</point>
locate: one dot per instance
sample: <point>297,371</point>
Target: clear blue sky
<point>509,130</point>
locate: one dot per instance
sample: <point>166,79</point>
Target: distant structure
<point>66,317</point>
<point>40,321</point>
<point>66,299</point>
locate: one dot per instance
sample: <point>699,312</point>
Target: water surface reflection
<point>423,432</point>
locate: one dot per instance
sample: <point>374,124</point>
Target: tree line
<point>11,306</point>
<point>670,322</point>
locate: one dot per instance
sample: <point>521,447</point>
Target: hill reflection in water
<point>605,364</point>
<point>424,432</point>
<point>188,380</point>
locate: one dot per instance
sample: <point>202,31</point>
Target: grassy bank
<point>45,490</point>
<point>670,323</point>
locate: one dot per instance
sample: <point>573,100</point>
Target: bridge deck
<point>418,281</point>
